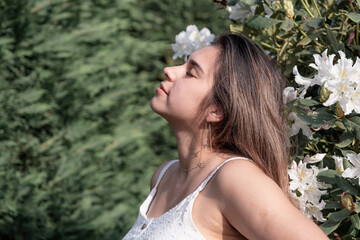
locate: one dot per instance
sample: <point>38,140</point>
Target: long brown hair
<point>248,88</point>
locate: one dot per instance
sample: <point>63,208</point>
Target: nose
<point>170,74</point>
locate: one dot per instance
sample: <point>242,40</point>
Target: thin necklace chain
<point>199,163</point>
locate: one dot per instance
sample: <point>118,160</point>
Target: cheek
<point>189,98</point>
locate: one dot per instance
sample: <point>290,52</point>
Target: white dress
<point>177,223</point>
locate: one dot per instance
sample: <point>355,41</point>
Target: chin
<point>155,106</point>
<point>159,109</point>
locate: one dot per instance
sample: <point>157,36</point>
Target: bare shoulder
<point>241,175</point>
<point>156,174</point>
<point>242,181</point>
<point>256,206</point>
<point>237,170</point>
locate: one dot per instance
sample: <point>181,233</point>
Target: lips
<point>163,88</point>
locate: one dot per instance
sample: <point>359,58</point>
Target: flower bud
<point>339,111</point>
<point>289,8</point>
<point>325,94</point>
<point>347,201</point>
<point>276,5</point>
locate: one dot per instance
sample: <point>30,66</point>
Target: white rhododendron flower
<point>323,64</point>
<point>355,171</point>
<point>304,82</point>
<point>341,79</point>
<point>314,159</point>
<point>303,181</point>
<point>300,176</point>
<point>304,206</point>
<point>240,11</point>
<point>299,124</point>
<point>339,166</point>
<point>191,40</point>
<point>313,210</point>
<point>289,94</point>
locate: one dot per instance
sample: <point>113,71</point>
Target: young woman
<point>230,182</point>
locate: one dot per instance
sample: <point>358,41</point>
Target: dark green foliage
<point>78,140</point>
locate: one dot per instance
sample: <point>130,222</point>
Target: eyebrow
<point>194,64</point>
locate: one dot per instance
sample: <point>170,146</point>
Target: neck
<point>191,148</point>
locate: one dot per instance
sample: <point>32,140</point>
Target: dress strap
<point>203,184</point>
<point>165,168</point>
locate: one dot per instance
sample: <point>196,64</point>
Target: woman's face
<point>185,87</point>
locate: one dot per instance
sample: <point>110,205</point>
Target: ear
<point>215,114</point>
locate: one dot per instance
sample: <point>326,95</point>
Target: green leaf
<point>315,118</point>
<point>346,186</point>
<point>333,205</point>
<point>328,176</point>
<point>287,25</point>
<point>354,17</point>
<point>260,22</point>
<point>315,22</point>
<point>353,125</point>
<point>250,2</point>
<point>355,220</point>
<point>232,3</point>
<point>340,215</point>
<point>341,46</point>
<point>331,36</point>
<point>329,226</point>
<point>305,41</point>
<point>355,47</point>
<point>241,28</point>
<point>346,162</point>
<point>309,38</point>
<point>345,152</point>
<point>302,13</point>
<point>307,102</point>
<point>356,120</point>
<point>352,232</point>
<point>304,53</point>
<point>357,129</point>
<point>340,124</point>
<point>347,237</point>
<point>345,140</point>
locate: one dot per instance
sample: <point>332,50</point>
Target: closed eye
<point>188,73</point>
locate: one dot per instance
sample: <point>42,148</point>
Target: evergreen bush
<point>78,140</point>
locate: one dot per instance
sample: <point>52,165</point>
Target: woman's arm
<point>256,206</point>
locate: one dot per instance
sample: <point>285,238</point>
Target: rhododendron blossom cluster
<point>305,187</point>
<point>341,79</point>
<point>191,40</point>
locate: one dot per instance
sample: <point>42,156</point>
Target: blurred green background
<point>78,140</point>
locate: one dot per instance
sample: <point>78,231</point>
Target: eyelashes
<point>188,73</point>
